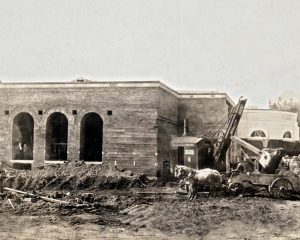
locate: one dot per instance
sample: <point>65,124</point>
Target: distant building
<point>270,128</point>
<point>268,124</point>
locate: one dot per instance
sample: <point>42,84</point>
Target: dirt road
<point>121,216</point>
<point>288,212</point>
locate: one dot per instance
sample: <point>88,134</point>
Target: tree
<point>289,106</point>
<point>284,105</point>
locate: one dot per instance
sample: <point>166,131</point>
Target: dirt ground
<point>115,212</point>
<point>119,215</point>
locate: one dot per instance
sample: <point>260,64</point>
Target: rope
<point>216,125</point>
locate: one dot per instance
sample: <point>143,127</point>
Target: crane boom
<point>223,142</point>
<point>246,145</point>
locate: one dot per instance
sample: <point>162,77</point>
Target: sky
<point>244,48</point>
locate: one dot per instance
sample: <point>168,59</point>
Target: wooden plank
<point>246,145</point>
<point>40,197</point>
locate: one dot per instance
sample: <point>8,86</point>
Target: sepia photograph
<point>149,119</point>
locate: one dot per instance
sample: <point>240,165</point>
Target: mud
<point>120,212</point>
<point>115,212</point>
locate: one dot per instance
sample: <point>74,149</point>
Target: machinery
<point>265,171</point>
<point>209,150</point>
<point>272,170</point>
<point>224,138</point>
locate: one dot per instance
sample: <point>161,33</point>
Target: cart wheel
<point>281,188</point>
<point>236,188</point>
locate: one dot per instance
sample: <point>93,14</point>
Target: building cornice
<point>94,84</point>
<point>282,112</point>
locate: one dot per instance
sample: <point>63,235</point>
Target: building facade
<point>265,128</point>
<point>129,124</point>
<point>268,124</point>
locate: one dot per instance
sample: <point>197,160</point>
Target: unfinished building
<point>129,124</point>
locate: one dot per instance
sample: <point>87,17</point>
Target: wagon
<point>277,185</point>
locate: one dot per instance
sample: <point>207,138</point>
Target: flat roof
<point>85,83</point>
<point>184,141</point>
<point>269,110</point>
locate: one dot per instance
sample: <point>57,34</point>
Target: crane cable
<point>216,125</point>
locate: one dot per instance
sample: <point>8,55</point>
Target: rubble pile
<point>82,208</point>
<point>290,166</point>
<point>295,165</point>
<point>73,176</point>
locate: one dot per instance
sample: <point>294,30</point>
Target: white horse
<point>193,179</point>
<point>182,171</point>
<point>202,178</point>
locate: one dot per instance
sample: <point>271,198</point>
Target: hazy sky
<point>249,48</point>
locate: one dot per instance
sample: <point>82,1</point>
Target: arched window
<point>258,133</point>
<point>91,137</point>
<point>56,137</point>
<point>287,134</point>
<point>22,137</point>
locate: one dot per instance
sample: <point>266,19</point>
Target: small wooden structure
<point>193,152</point>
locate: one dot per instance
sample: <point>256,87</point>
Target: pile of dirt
<point>203,215</point>
<point>71,176</point>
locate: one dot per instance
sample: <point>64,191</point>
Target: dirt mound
<point>201,216</point>
<point>71,176</point>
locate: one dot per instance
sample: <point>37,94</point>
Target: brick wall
<point>167,126</point>
<point>136,136</point>
<point>202,113</point>
<point>130,133</point>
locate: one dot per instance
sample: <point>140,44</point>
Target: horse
<point>194,179</point>
<point>202,178</point>
<point>182,171</point>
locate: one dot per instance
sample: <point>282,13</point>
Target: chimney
<point>185,127</point>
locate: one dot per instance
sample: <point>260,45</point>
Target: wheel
<point>281,188</point>
<point>236,188</point>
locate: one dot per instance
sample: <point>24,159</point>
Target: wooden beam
<point>38,196</point>
<point>246,145</point>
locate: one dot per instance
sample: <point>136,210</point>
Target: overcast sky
<point>249,48</point>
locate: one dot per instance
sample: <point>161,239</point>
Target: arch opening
<point>56,137</point>
<point>287,134</point>
<point>91,137</point>
<point>22,137</point>
<point>258,133</point>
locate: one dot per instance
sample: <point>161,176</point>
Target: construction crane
<point>224,138</point>
<point>209,150</point>
<point>220,135</point>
